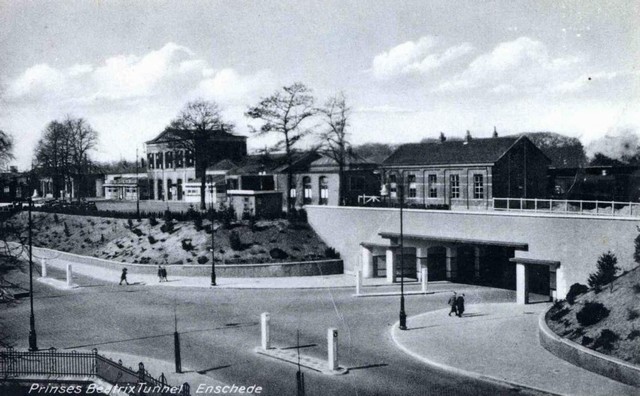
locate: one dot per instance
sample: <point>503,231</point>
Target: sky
<point>409,69</point>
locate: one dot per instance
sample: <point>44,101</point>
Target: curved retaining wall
<point>298,268</point>
<point>586,358</point>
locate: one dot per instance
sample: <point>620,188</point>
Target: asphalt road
<point>220,328</point>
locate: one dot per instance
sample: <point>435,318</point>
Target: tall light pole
<point>403,315</point>
<point>137,188</point>
<point>213,258</point>
<point>33,340</point>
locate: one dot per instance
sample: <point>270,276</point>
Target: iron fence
<point>53,363</point>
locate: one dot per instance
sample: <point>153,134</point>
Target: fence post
<point>140,372</point>
<point>44,267</point>
<point>425,277</point>
<point>332,341</point>
<point>581,207</point>
<point>265,320</point>
<point>613,208</point>
<point>596,207</point>
<point>69,275</point>
<point>566,206</point>
<point>358,281</point>
<point>535,204</point>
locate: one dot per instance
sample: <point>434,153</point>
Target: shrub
<point>559,314</point>
<point>278,254</point>
<point>101,238</point>
<point>606,271</point>
<point>137,232</point>
<point>203,259</point>
<point>56,218</point>
<point>606,339</point>
<point>197,222</point>
<point>130,223</point>
<point>153,221</point>
<point>151,239</point>
<point>636,288</point>
<point>632,314</point>
<point>234,241</point>
<point>574,291</point>
<point>66,230</point>
<point>186,245</point>
<point>331,253</point>
<point>167,216</point>
<point>633,334</point>
<point>591,313</point>
<point>167,227</point>
<point>586,340</point>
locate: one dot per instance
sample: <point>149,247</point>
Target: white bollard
<point>332,340</point>
<point>358,281</point>
<point>69,275</point>
<point>265,318</point>
<point>44,267</point>
<point>425,277</point>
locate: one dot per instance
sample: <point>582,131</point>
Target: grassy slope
<point>111,238</point>
<point>623,319</point>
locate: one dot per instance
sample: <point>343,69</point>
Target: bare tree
<point>335,143</point>
<point>283,113</point>
<point>6,148</point>
<point>83,138</point>
<point>193,129</point>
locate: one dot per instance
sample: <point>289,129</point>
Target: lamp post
<point>403,315</point>
<point>213,259</point>
<point>33,340</point>
<point>137,188</point>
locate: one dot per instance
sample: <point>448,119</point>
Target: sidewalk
<point>499,342</point>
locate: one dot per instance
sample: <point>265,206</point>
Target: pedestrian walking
<point>164,274</point>
<point>123,276</point>
<point>460,305</point>
<point>453,304</point>
<point>160,273</point>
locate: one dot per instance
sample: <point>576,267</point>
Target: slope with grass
<point>156,241</point>
<point>607,321</point>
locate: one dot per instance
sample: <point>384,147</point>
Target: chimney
<point>13,169</point>
<point>467,137</point>
<point>442,137</point>
<point>495,132</point>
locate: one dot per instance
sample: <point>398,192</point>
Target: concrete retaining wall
<point>573,240</point>
<point>586,358</point>
<point>147,206</point>
<point>301,268</point>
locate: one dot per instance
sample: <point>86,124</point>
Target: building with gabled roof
<point>466,173</point>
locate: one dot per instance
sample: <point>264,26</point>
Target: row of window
<point>171,159</point>
<point>115,189</point>
<point>432,188</point>
<point>307,190</point>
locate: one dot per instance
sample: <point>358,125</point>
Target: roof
<point>224,165</point>
<point>474,151</point>
<point>172,135</point>
<point>273,163</point>
<point>352,160</point>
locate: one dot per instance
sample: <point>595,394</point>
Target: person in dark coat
<point>160,273</point>
<point>123,276</point>
<point>460,305</point>
<point>164,274</point>
<point>453,304</point>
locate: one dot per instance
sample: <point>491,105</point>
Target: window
<point>433,188</point>
<point>169,159</point>
<point>159,160</point>
<point>411,180</point>
<point>179,159</point>
<point>307,191</point>
<point>478,187</point>
<point>324,190</point>
<point>454,186</point>
<point>150,160</point>
<point>293,193</point>
<point>189,160</point>
<point>393,187</point>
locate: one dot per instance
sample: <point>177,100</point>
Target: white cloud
<point>383,109</point>
<point>523,64</point>
<point>228,86</point>
<point>172,71</point>
<point>584,81</point>
<point>419,57</point>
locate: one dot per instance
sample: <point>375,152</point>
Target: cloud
<point>523,64</point>
<point>228,86</point>
<point>585,81</point>
<point>172,71</point>
<point>384,109</point>
<point>415,58</point>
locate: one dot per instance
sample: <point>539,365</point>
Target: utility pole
<point>137,188</point>
<point>403,315</point>
<point>33,340</point>
<point>176,340</point>
<point>213,252</point>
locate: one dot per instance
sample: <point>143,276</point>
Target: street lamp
<point>33,340</point>
<point>213,259</point>
<point>137,188</point>
<point>403,315</point>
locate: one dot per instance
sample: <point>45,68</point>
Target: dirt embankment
<point>176,242</point>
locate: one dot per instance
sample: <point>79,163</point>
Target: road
<point>220,328</point>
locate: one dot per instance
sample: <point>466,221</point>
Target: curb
<point>583,357</point>
<point>461,372</point>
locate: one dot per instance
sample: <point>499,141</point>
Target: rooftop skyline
<point>409,69</point>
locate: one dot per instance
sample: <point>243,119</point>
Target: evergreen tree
<point>606,271</point>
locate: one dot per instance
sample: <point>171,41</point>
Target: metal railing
<point>52,363</point>
<point>567,206</point>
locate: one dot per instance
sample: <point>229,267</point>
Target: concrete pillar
<point>265,320</point>
<point>69,275</point>
<point>452,263</point>
<point>477,252</point>
<point>424,276</point>
<point>391,266</point>
<point>44,267</point>
<point>367,262</point>
<point>522,289</point>
<point>553,292</point>
<point>332,348</point>
<point>421,260</point>
<point>358,281</point>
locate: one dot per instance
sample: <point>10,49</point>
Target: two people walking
<point>162,274</point>
<point>457,304</point>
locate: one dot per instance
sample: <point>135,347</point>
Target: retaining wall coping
<point>586,358</point>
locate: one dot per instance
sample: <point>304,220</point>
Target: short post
<point>358,281</point>
<point>69,275</point>
<point>44,267</point>
<point>265,319</point>
<point>425,275</point>
<point>332,341</point>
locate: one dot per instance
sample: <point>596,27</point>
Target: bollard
<point>44,267</point>
<point>425,277</point>
<point>358,281</point>
<point>69,275</point>
<point>332,341</point>
<point>265,319</point>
